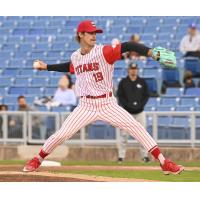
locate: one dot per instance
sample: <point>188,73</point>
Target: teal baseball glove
<point>166,57</point>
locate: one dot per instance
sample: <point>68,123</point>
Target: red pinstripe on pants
<point>106,109</point>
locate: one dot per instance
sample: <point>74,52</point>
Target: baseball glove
<point>166,57</point>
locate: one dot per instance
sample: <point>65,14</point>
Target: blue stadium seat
<point>39,81</point>
<point>63,38</point>
<point>36,31</point>
<point>33,18</point>
<point>134,29</point>
<point>150,29</point>
<point>192,91</point>
<point>15,39</point>
<point>56,23</point>
<point>166,29</point>
<point>170,75</point>
<point>188,20</point>
<point>43,73</point>
<point>16,63</point>
<point>197,108</point>
<point>179,128</point>
<point>118,72</point>
<point>73,46</point>
<point>10,100</point>
<point>5,31</point>
<point>154,102</point>
<point>51,31</point>
<point>24,24</point>
<point>46,18</point>
<point>9,24</point>
<point>9,47</point>
<point>42,108</point>
<point>25,47</point>
<point>151,72</point>
<point>152,63</point>
<point>170,21</point>
<point>27,72</point>
<point>149,37</point>
<point>40,24</point>
<point>197,127</point>
<point>3,91</point>
<point>22,82</point>
<point>153,20</point>
<point>20,54</point>
<point>10,72</point>
<point>184,108</point>
<point>35,90</point>
<point>164,127</point>
<point>37,54</point>
<point>59,109</point>
<point>59,46</point>
<point>31,38</point>
<point>136,21</point>
<point>54,54</point>
<point>5,82</point>
<point>177,92</point>
<point>152,85</point>
<point>49,91</point>
<point>101,130</point>
<point>53,81</point>
<point>189,101</point>
<point>193,65</point>
<point>120,64</point>
<point>17,90</point>
<point>169,101</point>
<point>165,36</point>
<point>43,46</point>
<point>174,45</point>
<point>72,23</point>
<point>165,108</point>
<point>5,55</point>
<point>20,31</point>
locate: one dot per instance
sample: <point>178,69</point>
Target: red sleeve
<point>71,68</point>
<point>112,53</point>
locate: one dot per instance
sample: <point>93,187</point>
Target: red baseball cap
<point>88,26</point>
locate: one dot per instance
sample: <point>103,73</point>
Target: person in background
<point>64,94</point>
<point>187,80</point>
<point>132,55</point>
<point>132,95</point>
<point>22,104</point>
<point>38,123</point>
<point>190,43</point>
<point>3,107</point>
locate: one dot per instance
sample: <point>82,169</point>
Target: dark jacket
<point>133,95</point>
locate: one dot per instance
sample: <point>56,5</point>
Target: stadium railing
<point>35,127</point>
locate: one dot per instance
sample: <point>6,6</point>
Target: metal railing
<point>35,127</point>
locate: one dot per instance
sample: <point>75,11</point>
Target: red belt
<point>98,97</point>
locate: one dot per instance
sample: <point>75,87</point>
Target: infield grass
<point>103,163</point>
<point>186,176</point>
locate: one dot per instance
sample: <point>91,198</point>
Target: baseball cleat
<point>32,165</point>
<point>171,167</point>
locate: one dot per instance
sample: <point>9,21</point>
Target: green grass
<point>103,163</point>
<point>108,163</point>
<point>186,176</point>
<point>12,162</point>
